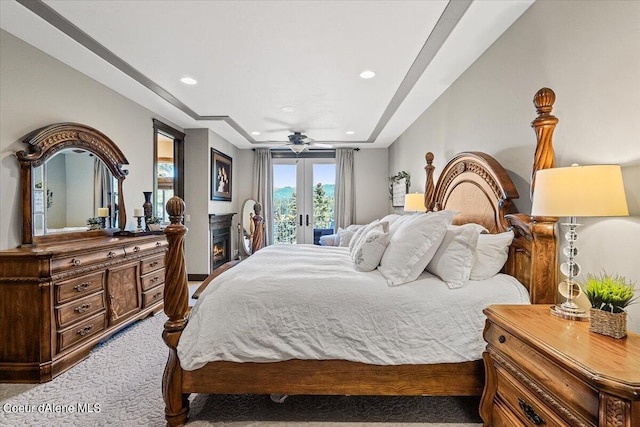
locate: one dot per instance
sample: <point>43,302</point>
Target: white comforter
<point>308,302</point>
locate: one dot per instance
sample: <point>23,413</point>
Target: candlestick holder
<point>103,222</point>
<point>139,220</point>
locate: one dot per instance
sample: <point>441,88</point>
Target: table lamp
<point>414,202</point>
<point>595,190</point>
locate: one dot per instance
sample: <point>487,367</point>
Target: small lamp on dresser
<point>595,190</point>
<point>414,202</point>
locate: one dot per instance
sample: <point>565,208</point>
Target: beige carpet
<point>119,385</point>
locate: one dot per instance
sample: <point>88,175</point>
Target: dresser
<point>59,300</point>
<point>544,370</point>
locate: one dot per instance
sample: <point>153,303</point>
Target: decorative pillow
<point>391,218</point>
<point>453,260</point>
<point>369,251</point>
<point>329,240</point>
<point>491,253</point>
<point>362,231</point>
<point>345,235</point>
<point>413,245</point>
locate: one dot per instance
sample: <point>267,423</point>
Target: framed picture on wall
<point>220,176</point>
<point>398,190</point>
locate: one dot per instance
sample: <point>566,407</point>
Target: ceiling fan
<point>299,142</point>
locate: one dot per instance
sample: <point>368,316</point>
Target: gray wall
<point>589,54</point>
<point>38,90</point>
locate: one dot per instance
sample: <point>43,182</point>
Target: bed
<point>473,184</point>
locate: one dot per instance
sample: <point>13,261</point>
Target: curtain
<point>103,189</point>
<point>345,192</point>
<point>263,188</point>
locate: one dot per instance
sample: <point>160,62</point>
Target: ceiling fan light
<point>298,148</point>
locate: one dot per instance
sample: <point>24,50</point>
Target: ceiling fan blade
<point>321,145</point>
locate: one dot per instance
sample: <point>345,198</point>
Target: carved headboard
<point>477,185</point>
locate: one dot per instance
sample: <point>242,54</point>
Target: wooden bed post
<point>538,234</point>
<point>544,125</point>
<point>176,307</point>
<point>429,187</point>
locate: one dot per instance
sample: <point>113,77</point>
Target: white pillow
<point>368,252</point>
<point>453,260</point>
<point>395,225</point>
<point>346,234</point>
<point>329,240</point>
<point>391,218</point>
<point>362,231</point>
<point>413,245</point>
<point>491,253</point>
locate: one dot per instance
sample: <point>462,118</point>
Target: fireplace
<point>220,231</point>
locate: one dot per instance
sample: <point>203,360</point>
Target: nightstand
<point>543,370</point>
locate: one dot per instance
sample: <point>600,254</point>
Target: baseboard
<point>196,277</point>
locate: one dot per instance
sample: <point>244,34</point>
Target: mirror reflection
<point>73,191</point>
<point>252,227</point>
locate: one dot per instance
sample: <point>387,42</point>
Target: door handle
<point>307,220</point>
<point>300,220</point>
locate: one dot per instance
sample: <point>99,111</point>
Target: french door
<point>303,199</point>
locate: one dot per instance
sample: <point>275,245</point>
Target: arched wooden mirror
<point>71,178</point>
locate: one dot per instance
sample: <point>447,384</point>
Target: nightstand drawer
<point>527,406</point>
<point>550,378</point>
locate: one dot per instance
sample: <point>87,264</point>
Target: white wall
<point>38,90</point>
<point>589,54</point>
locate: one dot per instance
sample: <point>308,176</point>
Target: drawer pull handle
<point>111,255</point>
<point>154,279</point>
<point>153,264</point>
<point>158,243</point>
<point>156,295</point>
<point>85,330</point>
<point>136,249</point>
<point>82,286</point>
<point>76,262</point>
<point>502,339</point>
<point>530,413</point>
<point>83,308</point>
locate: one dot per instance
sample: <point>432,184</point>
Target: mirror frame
<point>43,144</point>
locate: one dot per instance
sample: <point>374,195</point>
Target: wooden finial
<point>176,288</point>
<point>429,186</point>
<point>544,100</point>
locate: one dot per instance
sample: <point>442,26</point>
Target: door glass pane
<point>324,176</point>
<point>284,204</point>
<point>165,174</point>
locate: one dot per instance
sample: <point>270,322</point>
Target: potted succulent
<point>154,223</point>
<point>609,296</point>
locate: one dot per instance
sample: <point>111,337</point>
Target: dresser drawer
<point>152,296</point>
<point>135,248</point>
<point>81,331</point>
<point>79,309</point>
<point>86,258</point>
<point>78,287</point>
<point>549,377</point>
<point>525,403</point>
<point>153,279</point>
<point>152,264</point>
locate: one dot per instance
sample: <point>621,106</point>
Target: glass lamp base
<point>568,312</point>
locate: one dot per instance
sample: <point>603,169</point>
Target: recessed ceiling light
<point>349,132</point>
<point>188,81</point>
<point>288,109</point>
<point>367,74</point>
<point>255,133</point>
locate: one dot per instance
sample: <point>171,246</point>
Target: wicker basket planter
<point>607,323</point>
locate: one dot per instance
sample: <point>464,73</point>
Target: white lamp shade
<point>414,202</point>
<point>595,190</point>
